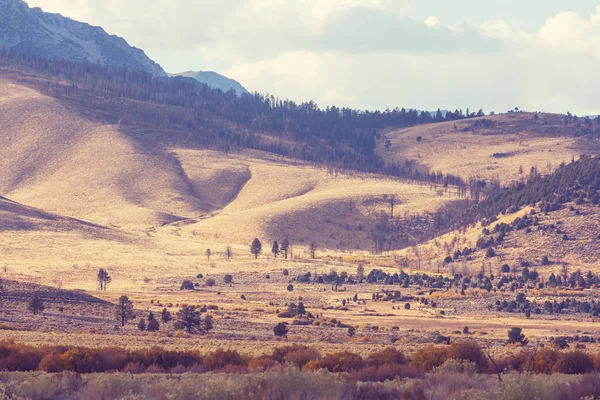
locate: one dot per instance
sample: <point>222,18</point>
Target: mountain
<point>215,81</point>
<point>35,32</point>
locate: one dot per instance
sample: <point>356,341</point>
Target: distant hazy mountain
<point>32,31</point>
<point>215,81</point>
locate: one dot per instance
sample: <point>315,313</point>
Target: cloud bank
<point>364,53</point>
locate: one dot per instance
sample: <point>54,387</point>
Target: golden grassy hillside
<point>280,198</point>
<point>466,147</point>
<point>55,160</point>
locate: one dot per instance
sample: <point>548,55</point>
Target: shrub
<point>490,253</point>
<point>469,351</point>
<point>301,356</point>
<point>429,357</point>
<point>544,360</point>
<point>574,362</point>
<point>280,329</point>
<point>210,282</point>
<point>261,363</point>
<point>153,325</point>
<point>386,356</point>
<point>545,261</point>
<point>515,336</point>
<point>228,279</point>
<point>187,285</point>
<point>386,372</point>
<point>337,362</point>
<point>221,358</point>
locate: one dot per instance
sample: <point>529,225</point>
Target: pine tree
<point>142,324</point>
<point>188,319</point>
<point>208,254</point>
<point>35,304</point>
<point>124,310</point>
<point>280,329</point>
<point>103,278</point>
<point>153,324</point>
<point>360,273</point>
<point>256,248</point>
<point>275,249</point>
<point>285,247</point>
<point>165,316</point>
<point>207,323</point>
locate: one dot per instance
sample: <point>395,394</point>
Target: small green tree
<point>165,315</point>
<point>256,248</point>
<point>351,331</point>
<point>285,247</point>
<point>515,335</point>
<point>124,311</point>
<point>207,323</point>
<point>153,324</point>
<point>103,278</point>
<point>208,254</point>
<point>360,273</point>
<point>290,288</point>
<point>188,319</point>
<point>275,249</point>
<point>301,310</point>
<point>280,330</point>
<point>142,324</point>
<point>35,304</point>
<point>228,279</point>
<point>228,252</point>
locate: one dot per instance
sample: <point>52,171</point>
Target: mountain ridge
<point>215,80</point>
<point>34,32</point>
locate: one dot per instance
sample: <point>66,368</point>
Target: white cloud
<point>363,53</point>
<point>431,21</point>
<point>571,32</point>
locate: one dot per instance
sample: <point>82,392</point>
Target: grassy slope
<point>463,149</point>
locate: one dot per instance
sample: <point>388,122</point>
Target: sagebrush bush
<point>574,362</point>
<point>469,351</point>
<point>429,357</point>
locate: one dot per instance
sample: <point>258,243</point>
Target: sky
<point>538,55</point>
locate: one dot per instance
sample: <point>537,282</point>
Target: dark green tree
<point>275,249</point>
<point>153,324</point>
<point>280,330</point>
<point>515,335</point>
<point>103,278</point>
<point>35,304</point>
<point>165,315</point>
<point>256,248</point>
<point>207,323</point>
<point>188,319</point>
<point>124,311</point>
<point>285,247</point>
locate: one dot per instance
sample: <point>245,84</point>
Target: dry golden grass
<point>461,149</point>
<point>163,209</point>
